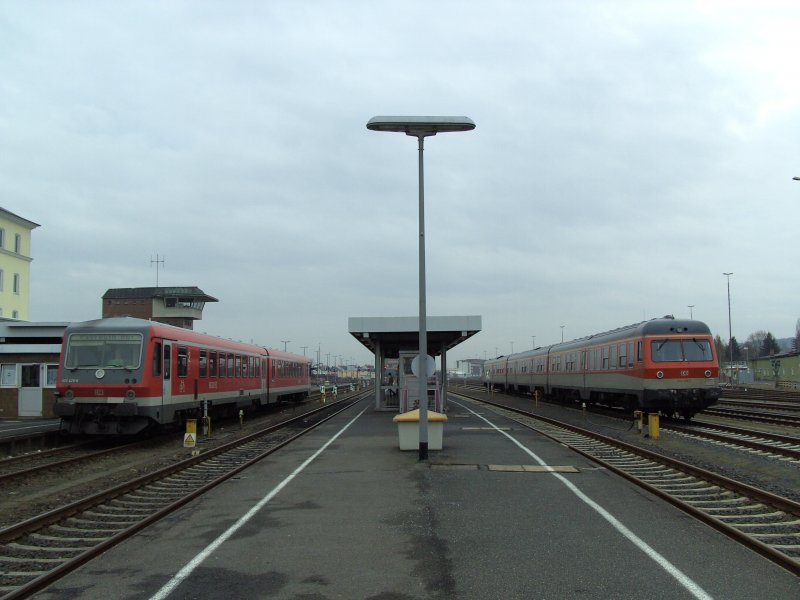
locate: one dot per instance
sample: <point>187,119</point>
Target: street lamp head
<point>420,126</point>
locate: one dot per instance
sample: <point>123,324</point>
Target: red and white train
<point>663,365</point>
<point>124,375</point>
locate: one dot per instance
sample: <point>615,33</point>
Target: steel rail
<point>46,519</point>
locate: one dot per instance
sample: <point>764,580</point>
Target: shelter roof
<point>402,333</point>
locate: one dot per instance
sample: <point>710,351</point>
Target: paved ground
<point>357,518</point>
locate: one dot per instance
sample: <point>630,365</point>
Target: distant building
<point>29,355</point>
<point>15,265</point>
<point>471,367</point>
<point>179,306</point>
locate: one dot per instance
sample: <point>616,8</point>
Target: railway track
<point>767,444</point>
<point>759,519</point>
<point>28,464</point>
<point>759,416</point>
<point>40,550</point>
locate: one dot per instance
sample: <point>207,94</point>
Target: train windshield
<point>681,350</point>
<point>103,351</point>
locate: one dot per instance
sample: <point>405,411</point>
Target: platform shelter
<point>397,338</point>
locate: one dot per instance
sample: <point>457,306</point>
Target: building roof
<point>17,219</point>
<point>158,292</point>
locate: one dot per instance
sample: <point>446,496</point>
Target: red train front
<point>124,375</point>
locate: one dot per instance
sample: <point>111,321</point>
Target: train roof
<point>143,325</point>
<point>667,325</point>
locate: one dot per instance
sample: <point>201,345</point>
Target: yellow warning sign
<point>189,440</point>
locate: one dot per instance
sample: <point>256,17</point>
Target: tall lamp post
<point>730,331</point>
<point>420,128</point>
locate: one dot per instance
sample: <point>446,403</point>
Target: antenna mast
<point>157,261</point>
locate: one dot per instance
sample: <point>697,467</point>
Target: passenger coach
<point>123,375</point>
<point>663,365</point>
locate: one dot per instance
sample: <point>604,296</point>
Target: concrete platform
<point>345,514</point>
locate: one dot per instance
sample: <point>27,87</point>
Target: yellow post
<point>190,437</point>
<point>536,394</point>
<point>652,426</point>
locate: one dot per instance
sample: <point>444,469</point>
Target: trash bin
<point>408,429</point>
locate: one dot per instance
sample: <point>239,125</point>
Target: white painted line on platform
<point>661,561</point>
<point>197,560</point>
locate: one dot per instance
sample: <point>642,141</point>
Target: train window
<point>202,363</point>
<point>699,350</point>
<point>212,364</point>
<point>157,359</point>
<point>666,350</point>
<point>167,361</point>
<point>680,350</point>
<point>231,363</point>
<point>622,348</point>
<point>238,366</point>
<point>183,361</point>
<point>630,355</point>
<point>222,362</point>
<point>639,351</point>
<point>605,358</point>
<point>613,361</point>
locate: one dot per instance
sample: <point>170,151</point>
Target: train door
<point>30,391</point>
<point>583,366</point>
<point>264,389</point>
<point>166,383</point>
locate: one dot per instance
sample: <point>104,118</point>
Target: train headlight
<point>69,394</point>
<point>130,394</point>
<point>708,373</point>
<point>660,374</point>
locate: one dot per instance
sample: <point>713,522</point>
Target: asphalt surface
<point>343,513</point>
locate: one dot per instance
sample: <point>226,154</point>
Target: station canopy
<point>402,333</point>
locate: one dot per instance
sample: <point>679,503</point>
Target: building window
<point>17,243</point>
<point>2,238</point>
<point>16,283</point>
<point>8,374</point>
<point>52,375</point>
<point>15,314</point>
<point>2,279</point>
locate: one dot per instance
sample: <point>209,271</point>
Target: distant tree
<point>769,345</point>
<point>720,347</point>
<point>797,336</point>
<point>737,351</point>
<point>755,342</point>
<point>724,350</point>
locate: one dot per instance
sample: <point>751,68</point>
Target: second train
<point>663,365</point>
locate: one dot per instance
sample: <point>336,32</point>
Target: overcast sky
<point>626,154</point>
